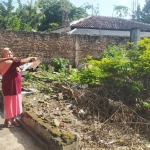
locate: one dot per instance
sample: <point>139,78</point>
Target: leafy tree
<point>8,18</point>
<point>147,6</point>
<point>121,11</point>
<point>137,14</point>
<point>89,7</point>
<point>145,13</point>
<point>52,13</point>
<point>58,12</point>
<point>42,15</point>
<point>29,15</point>
<point>77,13</point>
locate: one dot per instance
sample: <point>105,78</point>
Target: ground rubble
<point>99,123</point>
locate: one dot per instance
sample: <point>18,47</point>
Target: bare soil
<point>99,123</point>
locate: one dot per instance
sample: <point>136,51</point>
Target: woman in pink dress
<point>11,86</point>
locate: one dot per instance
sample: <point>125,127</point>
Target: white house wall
<point>99,32</point>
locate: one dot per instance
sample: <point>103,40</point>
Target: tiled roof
<point>111,23</point>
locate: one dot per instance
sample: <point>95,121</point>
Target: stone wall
<point>49,45</point>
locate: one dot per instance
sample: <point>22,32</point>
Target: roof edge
<point>81,19</point>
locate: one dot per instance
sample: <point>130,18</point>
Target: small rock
<point>41,101</point>
<point>54,96</point>
<point>148,145</point>
<point>57,108</point>
<point>56,122</point>
<point>81,111</point>
<point>62,124</point>
<point>67,120</point>
<point>60,96</point>
<point>34,98</point>
<point>69,105</point>
<point>57,114</point>
<point>73,107</point>
<point>85,137</point>
<point>75,112</point>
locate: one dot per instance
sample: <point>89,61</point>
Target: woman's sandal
<point>16,124</point>
<point>9,125</point>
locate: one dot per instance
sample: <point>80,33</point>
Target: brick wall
<point>48,45</point>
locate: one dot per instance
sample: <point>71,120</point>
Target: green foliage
<point>41,15</point>
<point>144,14</point>
<point>42,67</point>
<point>113,51</point>
<point>90,75</point>
<point>59,63</point>
<point>77,13</point>
<point>12,23</point>
<point>74,76</point>
<point>121,11</point>
<point>59,12</point>
<point>129,70</point>
<point>30,15</point>
<point>144,44</point>
<point>146,104</point>
<point>126,71</point>
<point>141,70</point>
<point>90,7</point>
<point>52,25</point>
<point>28,76</point>
<point>44,88</point>
<point>140,61</point>
<point>8,19</point>
<point>112,64</point>
<point>87,59</point>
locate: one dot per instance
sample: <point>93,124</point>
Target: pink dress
<point>11,87</point>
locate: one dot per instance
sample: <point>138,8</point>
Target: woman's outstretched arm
<point>26,60</point>
<point>9,58</point>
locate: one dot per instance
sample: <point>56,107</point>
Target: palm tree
<point>29,14</point>
<point>8,18</point>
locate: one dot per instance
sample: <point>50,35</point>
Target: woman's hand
<point>14,59</point>
<point>28,59</point>
<point>34,58</point>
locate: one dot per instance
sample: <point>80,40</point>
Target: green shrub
<point>43,67</point>
<point>59,64</point>
<point>113,51</point>
<point>144,44</point>
<point>90,75</point>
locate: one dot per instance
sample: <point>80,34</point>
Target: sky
<point>104,7</point>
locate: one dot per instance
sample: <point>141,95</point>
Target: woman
<point>11,86</point>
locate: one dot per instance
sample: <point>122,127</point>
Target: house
<point>61,29</point>
<point>102,25</point>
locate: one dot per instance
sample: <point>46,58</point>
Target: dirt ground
<point>99,124</point>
